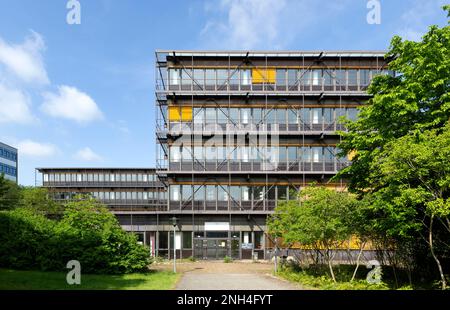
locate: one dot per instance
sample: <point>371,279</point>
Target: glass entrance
<point>212,248</point>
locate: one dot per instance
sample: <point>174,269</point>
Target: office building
<point>9,162</point>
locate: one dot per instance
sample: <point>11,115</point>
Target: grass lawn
<point>38,280</point>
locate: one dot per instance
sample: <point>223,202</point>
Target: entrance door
<point>211,248</point>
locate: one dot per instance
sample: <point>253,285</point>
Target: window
<point>187,239</point>
<point>175,154</point>
<point>352,77</point>
<point>78,177</point>
<point>281,77</point>
<point>328,77</point>
<point>305,115</point>
<point>163,240</point>
<point>316,116</point>
<point>210,193</point>
<point>186,192</point>
<point>316,77</point>
<point>258,193</point>
<point>317,155</point>
<point>306,154</point>
<point>282,192</point>
<point>352,113</point>
<point>187,154</point>
<point>281,116</point>
<point>175,192</point>
<point>199,75</point>
<point>282,154</point>
<point>221,193</point>
<point>210,153</point>
<point>292,153</point>
<point>198,153</point>
<point>245,116</point>
<point>235,192</point>
<point>186,77</point>
<point>246,193</point>
<point>234,115</point>
<point>246,77</point>
<point>95,177</point>
<point>234,78</point>
<point>328,115</point>
<point>257,115</point>
<point>364,76</point>
<point>341,77</point>
<point>128,177</point>
<point>90,177</point>
<point>292,77</point>
<point>292,116</point>
<point>222,115</point>
<point>174,76</point>
<point>199,192</point>
<point>222,77</point>
<point>210,77</point>
<point>45,177</point>
<point>101,177</point>
<point>210,115</point>
<point>199,115</point>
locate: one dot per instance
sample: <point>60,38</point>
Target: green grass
<point>39,280</point>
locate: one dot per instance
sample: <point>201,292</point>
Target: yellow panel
<point>271,76</point>
<point>186,114</point>
<point>174,114</point>
<point>351,155</point>
<point>262,75</point>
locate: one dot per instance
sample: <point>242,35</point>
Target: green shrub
<point>87,232</point>
<point>191,259</point>
<point>227,259</point>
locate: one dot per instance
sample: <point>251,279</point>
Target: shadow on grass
<point>38,280</point>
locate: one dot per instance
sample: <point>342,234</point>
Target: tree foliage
<point>9,194</point>
<point>87,232</point>
<point>319,219</point>
<point>402,147</point>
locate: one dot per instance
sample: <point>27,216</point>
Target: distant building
<point>129,193</point>
<point>8,162</point>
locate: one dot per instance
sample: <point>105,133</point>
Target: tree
<point>38,199</point>
<point>9,194</point>
<point>400,142</point>
<point>317,219</point>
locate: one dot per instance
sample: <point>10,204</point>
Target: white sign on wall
<point>217,226</point>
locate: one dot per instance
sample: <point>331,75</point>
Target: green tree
<point>9,194</point>
<point>317,220</point>
<point>399,142</point>
<point>38,199</point>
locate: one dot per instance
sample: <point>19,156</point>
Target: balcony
<point>294,167</point>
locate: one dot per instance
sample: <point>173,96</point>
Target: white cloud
<point>14,106</point>
<point>70,103</point>
<point>24,61</point>
<point>86,154</point>
<point>35,149</point>
<point>263,24</point>
<point>420,15</point>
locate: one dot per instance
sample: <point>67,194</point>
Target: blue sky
<point>83,95</point>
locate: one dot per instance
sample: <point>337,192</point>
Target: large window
<point>187,239</point>
<point>175,193</point>
<point>246,77</point>
<point>174,76</point>
<point>210,193</point>
<point>281,77</point>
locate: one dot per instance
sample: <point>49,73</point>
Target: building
<point>128,192</point>
<point>239,131</point>
<point>236,132</point>
<point>9,162</point>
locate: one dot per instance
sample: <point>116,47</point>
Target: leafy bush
<point>87,232</point>
<point>227,259</point>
